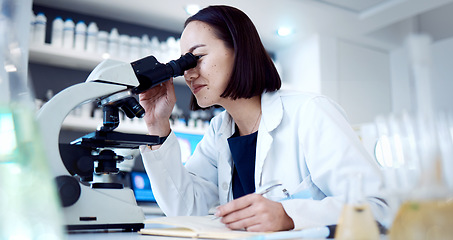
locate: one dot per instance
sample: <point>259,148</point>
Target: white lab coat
<point>304,141</point>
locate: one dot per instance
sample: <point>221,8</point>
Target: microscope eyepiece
<point>185,62</point>
<point>150,72</point>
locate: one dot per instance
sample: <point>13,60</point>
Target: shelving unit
<point>60,57</point>
<point>70,58</point>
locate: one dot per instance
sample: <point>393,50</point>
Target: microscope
<point>113,85</point>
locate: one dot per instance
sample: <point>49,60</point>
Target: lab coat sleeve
<point>177,191</point>
<point>333,151</point>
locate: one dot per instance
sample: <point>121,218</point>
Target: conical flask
<point>356,220</point>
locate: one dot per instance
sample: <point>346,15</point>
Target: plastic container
<point>32,27</point>
<point>68,34</point>
<point>102,42</point>
<point>113,42</point>
<point>173,48</point>
<point>155,48</point>
<point>124,47</point>
<point>39,35</point>
<point>80,36</point>
<point>92,34</point>
<point>57,32</point>
<point>145,46</point>
<point>134,53</point>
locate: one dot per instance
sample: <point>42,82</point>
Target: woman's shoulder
<point>310,103</point>
<point>293,101</point>
<point>289,96</point>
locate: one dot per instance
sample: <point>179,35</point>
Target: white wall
<point>356,76</point>
<point>300,65</point>
<point>441,78</point>
<point>364,81</point>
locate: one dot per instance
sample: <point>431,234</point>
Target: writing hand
<point>255,213</point>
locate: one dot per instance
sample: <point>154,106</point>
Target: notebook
<point>193,227</point>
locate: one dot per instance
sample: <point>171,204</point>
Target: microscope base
<point>125,227</point>
<point>104,209</point>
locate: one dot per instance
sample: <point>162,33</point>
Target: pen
<point>318,232</point>
<point>263,190</point>
<point>267,187</point>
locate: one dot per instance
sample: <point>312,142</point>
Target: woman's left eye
<point>199,55</point>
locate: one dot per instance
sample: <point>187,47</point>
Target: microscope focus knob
<point>68,190</point>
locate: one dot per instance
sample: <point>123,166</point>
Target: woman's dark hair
<point>253,69</point>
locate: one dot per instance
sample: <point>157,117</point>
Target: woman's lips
<point>197,88</point>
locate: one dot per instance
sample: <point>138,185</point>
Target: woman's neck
<point>246,114</point>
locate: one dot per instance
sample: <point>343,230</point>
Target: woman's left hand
<point>255,213</point>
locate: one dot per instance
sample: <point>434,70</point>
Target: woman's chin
<point>204,104</point>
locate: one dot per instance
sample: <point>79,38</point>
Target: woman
<point>265,134</point>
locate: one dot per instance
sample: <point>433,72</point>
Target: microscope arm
<point>53,113</point>
<point>108,78</point>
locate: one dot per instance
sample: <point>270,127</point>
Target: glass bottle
<point>356,220</point>
<point>29,207</point>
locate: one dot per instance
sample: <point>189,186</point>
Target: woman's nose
<point>191,74</point>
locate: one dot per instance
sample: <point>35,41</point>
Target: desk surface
<point>129,236</point>
<point>151,211</point>
<point>115,236</point>
<point>120,236</point>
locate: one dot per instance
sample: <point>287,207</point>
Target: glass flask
<point>356,219</point>
<point>29,207</point>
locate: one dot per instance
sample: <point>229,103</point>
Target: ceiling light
<point>191,9</point>
<point>284,31</point>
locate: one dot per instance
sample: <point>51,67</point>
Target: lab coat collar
<point>272,114</point>
<point>227,127</point>
<point>226,130</point>
<point>272,110</point>
<point>225,160</point>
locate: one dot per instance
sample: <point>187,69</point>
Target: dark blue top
<point>243,151</point>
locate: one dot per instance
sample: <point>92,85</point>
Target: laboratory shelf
<point>60,57</point>
<point>69,58</point>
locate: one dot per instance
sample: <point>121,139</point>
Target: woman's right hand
<point>158,103</point>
